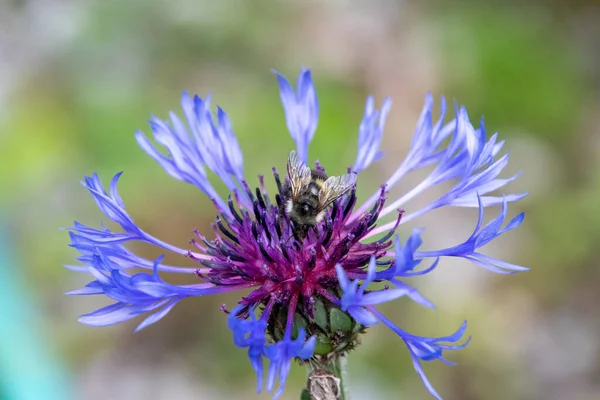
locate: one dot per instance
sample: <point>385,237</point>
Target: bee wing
<point>298,173</point>
<point>335,187</point>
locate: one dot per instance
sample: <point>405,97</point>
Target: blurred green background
<point>77,78</point>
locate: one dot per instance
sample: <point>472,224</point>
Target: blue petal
<point>370,134</point>
<point>413,293</point>
<point>424,348</point>
<point>308,348</point>
<point>480,237</point>
<point>89,241</point>
<point>342,277</point>
<point>137,294</point>
<point>251,334</point>
<point>112,206</point>
<point>354,299</point>
<point>117,315</point>
<point>467,158</point>
<point>199,145</point>
<point>156,316</point>
<point>382,296</point>
<point>280,355</point>
<point>487,201</point>
<point>421,373</point>
<point>362,316</point>
<point>301,110</point>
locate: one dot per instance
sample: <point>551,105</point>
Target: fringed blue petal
<point>90,241</point>
<point>250,334</point>
<point>134,295</point>
<point>301,110</point>
<point>196,146</point>
<point>354,300</point>
<point>280,357</point>
<point>424,348</point>
<point>370,133</point>
<point>112,206</point>
<point>480,237</point>
<point>466,158</point>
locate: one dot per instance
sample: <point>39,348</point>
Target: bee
<point>308,193</point>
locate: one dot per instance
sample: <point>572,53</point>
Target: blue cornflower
<point>311,287</point>
<point>251,334</point>
<point>283,352</point>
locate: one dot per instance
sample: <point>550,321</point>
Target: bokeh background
<point>77,78</point>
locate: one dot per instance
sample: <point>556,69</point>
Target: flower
<point>250,334</point>
<point>355,301</point>
<point>308,286</point>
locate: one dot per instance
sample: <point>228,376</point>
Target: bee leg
<point>299,231</point>
<point>315,230</point>
<point>281,212</point>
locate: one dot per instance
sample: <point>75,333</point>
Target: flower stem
<point>327,380</point>
<point>342,368</point>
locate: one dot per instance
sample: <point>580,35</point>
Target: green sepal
<point>320,315</point>
<point>304,395</point>
<point>323,345</point>
<point>299,322</point>
<point>340,321</point>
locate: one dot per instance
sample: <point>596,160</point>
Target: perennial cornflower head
<point>307,293</point>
